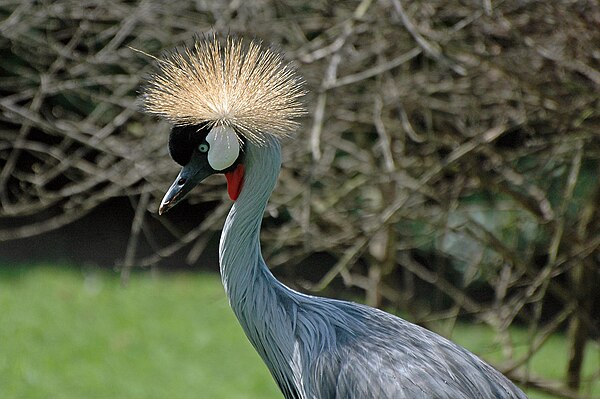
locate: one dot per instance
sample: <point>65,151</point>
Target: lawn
<point>67,333</point>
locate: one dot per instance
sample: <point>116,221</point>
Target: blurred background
<point>447,171</point>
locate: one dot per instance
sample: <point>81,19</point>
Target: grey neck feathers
<point>239,251</point>
<point>264,306</point>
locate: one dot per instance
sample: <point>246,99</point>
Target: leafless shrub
<point>449,164</point>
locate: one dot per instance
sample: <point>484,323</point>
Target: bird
<point>230,102</point>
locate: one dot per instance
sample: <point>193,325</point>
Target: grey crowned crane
<point>230,103</point>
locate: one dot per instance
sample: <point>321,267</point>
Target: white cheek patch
<point>224,147</point>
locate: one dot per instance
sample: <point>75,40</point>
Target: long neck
<point>239,252</point>
<point>264,306</point>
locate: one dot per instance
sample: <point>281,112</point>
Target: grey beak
<point>189,177</point>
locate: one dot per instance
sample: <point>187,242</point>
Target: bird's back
<point>354,351</point>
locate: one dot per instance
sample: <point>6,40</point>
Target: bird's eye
<point>203,147</point>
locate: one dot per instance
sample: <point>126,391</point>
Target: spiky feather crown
<point>245,86</point>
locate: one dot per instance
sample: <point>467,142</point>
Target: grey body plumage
<point>315,348</point>
<point>321,348</point>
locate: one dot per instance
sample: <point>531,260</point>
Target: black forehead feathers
<point>183,140</point>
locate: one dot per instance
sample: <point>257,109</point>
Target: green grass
<point>550,361</point>
<point>70,334</point>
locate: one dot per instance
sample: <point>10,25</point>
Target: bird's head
<point>220,97</point>
<point>202,152</point>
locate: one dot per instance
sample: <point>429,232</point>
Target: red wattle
<point>235,180</point>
